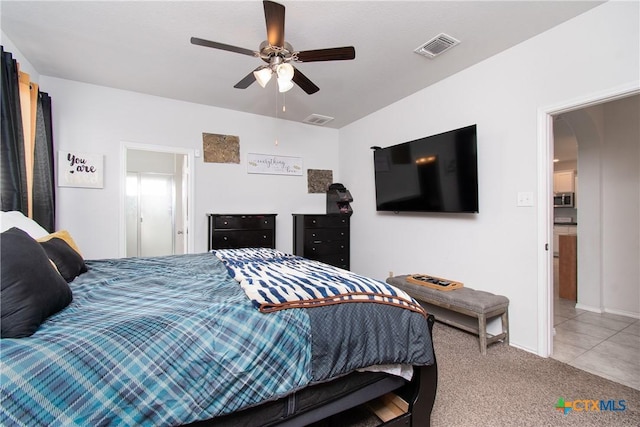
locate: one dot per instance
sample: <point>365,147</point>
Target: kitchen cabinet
<point>568,268</point>
<point>562,230</point>
<point>564,181</point>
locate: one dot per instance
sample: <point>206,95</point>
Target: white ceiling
<point>144,46</point>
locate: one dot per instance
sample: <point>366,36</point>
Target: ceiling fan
<point>278,54</point>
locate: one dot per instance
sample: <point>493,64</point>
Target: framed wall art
<point>220,148</point>
<point>270,164</point>
<point>76,169</point>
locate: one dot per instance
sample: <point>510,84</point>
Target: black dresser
<point>323,238</point>
<point>242,231</point>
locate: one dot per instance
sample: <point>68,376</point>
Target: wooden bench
<point>479,304</point>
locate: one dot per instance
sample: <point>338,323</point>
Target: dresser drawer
<point>244,222</point>
<point>339,260</point>
<point>223,239</point>
<point>227,231</point>
<point>326,248</point>
<point>323,238</point>
<point>326,235</point>
<point>325,221</point>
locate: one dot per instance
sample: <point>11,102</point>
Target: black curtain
<point>43,185</point>
<point>13,176</point>
<point>13,172</point>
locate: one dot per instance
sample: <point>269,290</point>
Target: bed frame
<point>342,394</point>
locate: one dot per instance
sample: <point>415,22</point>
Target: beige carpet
<point>511,387</point>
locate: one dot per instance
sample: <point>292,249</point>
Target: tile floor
<point>604,344</point>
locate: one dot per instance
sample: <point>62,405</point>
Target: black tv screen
<point>437,173</point>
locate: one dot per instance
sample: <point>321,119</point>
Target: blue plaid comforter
<point>152,341</point>
<point>172,340</point>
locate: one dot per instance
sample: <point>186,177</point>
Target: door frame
<point>190,154</point>
<point>545,208</point>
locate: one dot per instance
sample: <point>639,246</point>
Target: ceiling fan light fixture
<point>284,84</point>
<point>285,71</point>
<point>263,76</point>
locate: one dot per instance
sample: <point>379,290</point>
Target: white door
<point>150,214</point>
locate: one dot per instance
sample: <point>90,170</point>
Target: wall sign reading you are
<point>77,169</point>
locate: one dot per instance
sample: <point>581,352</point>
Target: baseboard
<point>589,308</point>
<point>608,310</point>
<point>623,313</point>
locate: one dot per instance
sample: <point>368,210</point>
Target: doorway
<point>151,212</point>
<point>546,150</point>
<point>157,200</point>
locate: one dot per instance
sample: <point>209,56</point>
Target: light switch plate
<point>525,198</point>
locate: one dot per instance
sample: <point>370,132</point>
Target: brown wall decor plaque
<point>220,148</point>
<point>318,180</point>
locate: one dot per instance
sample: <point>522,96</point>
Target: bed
<point>208,339</point>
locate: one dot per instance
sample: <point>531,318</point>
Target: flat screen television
<point>438,173</point>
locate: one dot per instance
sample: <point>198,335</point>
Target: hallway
<point>604,344</point>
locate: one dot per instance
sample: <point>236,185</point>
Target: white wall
<point>96,119</point>
<point>495,250</point>
<point>25,65</point>
<point>621,207</point>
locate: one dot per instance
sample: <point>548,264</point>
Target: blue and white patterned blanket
<point>274,281</point>
<point>152,341</point>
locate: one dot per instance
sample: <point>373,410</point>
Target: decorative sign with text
<point>80,169</point>
<point>278,165</point>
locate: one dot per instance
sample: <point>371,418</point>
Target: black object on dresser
<point>323,238</point>
<point>242,231</point>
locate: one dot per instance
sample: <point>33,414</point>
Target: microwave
<point>563,200</point>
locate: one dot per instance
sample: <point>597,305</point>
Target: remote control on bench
<point>434,282</point>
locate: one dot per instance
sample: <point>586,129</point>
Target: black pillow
<point>69,262</point>
<point>32,289</point>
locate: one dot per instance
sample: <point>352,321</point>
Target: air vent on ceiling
<point>437,45</point>
<point>317,119</point>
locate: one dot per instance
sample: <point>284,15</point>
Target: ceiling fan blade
<point>274,16</point>
<point>304,83</point>
<point>222,46</point>
<point>247,80</point>
<point>331,54</point>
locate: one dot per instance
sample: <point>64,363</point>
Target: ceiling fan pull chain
<point>276,92</point>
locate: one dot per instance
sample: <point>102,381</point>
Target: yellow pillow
<point>63,235</point>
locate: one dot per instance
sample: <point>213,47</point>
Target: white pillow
<point>17,219</point>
